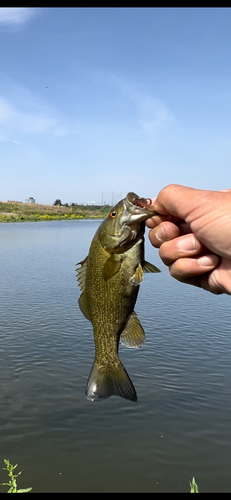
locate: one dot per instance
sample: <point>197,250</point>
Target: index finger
<point>178,200</point>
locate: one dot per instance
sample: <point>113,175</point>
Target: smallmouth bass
<point>109,278</point>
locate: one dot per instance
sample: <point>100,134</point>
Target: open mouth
<point>138,208</point>
<point>143,202</point>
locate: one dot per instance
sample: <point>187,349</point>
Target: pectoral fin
<point>150,268</point>
<point>133,335</point>
<point>137,278</point>
<point>111,267</point>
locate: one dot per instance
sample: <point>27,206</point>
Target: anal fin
<point>133,335</point>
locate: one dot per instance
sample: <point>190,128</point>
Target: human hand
<point>193,234</point>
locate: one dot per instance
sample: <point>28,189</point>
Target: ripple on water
<point>180,426</point>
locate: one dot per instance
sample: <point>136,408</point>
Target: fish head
<point>123,225</point>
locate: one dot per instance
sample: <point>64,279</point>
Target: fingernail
<point>187,244</point>
<point>161,234</point>
<point>208,260</point>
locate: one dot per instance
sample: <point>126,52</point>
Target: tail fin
<point>108,380</point>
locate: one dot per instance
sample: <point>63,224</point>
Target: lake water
<point>181,425</point>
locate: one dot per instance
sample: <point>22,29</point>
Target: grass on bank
<point>23,212</point>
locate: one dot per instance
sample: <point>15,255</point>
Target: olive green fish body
<point>109,278</point>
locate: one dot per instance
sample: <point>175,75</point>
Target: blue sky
<point>96,102</point>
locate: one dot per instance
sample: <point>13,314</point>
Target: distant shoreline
<point>31,212</point>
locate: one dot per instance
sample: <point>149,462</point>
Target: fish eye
<point>113,214</point>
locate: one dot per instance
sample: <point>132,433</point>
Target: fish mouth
<point>143,202</point>
<point>136,200</point>
<point>139,208</point>
<point>128,227</point>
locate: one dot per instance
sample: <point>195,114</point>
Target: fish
<point>109,279</point>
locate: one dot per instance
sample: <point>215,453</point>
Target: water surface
<point>180,426</point>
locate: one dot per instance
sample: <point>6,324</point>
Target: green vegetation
<point>12,481</point>
<point>15,211</point>
<point>14,488</point>
<point>193,486</point>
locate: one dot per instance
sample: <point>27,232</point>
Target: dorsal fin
<point>81,273</point>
